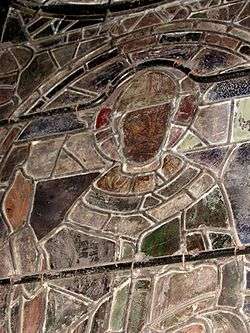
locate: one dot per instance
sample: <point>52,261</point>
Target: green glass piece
<point>162,241</point>
<point>119,308</point>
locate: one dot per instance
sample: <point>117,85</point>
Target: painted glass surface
<point>124,177</point>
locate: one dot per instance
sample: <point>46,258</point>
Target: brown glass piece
<point>33,313</point>
<point>187,109</point>
<point>195,243</point>
<point>17,201</point>
<point>111,202</point>
<point>115,181</point>
<point>180,182</point>
<point>144,131</point>
<point>171,165</point>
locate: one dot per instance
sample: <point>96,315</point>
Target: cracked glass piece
<point>66,165</point>
<point>16,157</point>
<point>100,320</point>
<point>109,149</point>
<point>108,202</point>
<point>190,141</point>
<point>81,327</point>
<point>23,55</point>
<point>181,181</point>
<point>6,110</point>
<point>43,153</point>
<point>224,13</point>
<point>124,132</point>
<point>177,298</point>
<point>82,148</point>
<point>120,300</point>
<point>183,286</point>
<point>104,75</point>
<point>13,31</point>
<point>171,207</point>
<point>8,63</point>
<point>180,52</point>
<point>231,321</point>
<point>175,135</point>
<point>230,286</point>
<point>200,185</point>
<point>65,53</point>
<point>68,98</point>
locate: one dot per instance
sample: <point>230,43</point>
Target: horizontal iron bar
<point>124,265</point>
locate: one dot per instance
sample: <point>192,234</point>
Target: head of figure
<point>142,117</point>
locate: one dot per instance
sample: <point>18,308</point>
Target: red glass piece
<point>175,134</point>
<point>102,118</point>
<point>187,109</point>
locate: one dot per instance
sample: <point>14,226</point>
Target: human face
<point>144,131</point>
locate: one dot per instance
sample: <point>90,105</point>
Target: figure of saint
<point>153,191</point>
<point>161,203</point>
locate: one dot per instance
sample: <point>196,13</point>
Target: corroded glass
<point>124,176</point>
